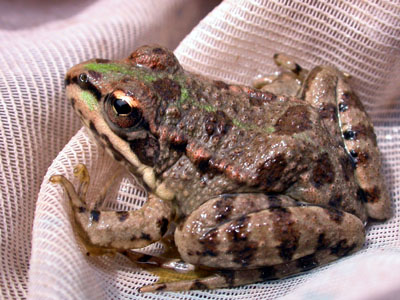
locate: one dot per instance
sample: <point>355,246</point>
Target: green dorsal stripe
<point>117,68</point>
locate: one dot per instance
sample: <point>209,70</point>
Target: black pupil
<point>83,78</point>
<point>122,107</point>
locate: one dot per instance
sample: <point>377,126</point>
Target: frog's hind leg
<point>344,116</point>
<point>257,231</point>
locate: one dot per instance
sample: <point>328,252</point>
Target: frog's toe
<point>69,188</point>
<point>287,63</point>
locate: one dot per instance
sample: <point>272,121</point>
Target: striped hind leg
<point>344,116</point>
<point>255,237</point>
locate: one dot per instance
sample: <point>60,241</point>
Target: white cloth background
<point>40,40</point>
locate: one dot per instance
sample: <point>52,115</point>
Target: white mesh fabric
<point>39,41</point>
<point>234,43</point>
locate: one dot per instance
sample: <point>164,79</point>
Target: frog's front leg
<point>255,237</point>
<point>119,230</point>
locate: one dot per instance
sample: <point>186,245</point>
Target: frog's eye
<point>83,78</point>
<point>123,110</point>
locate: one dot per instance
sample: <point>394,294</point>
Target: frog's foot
<point>109,231</point>
<point>251,231</point>
<point>343,114</point>
<point>288,64</point>
<point>77,198</point>
<point>287,82</point>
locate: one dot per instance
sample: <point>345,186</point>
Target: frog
<point>251,183</point>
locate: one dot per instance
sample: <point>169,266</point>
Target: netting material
<point>234,43</point>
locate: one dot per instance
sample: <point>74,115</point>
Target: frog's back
<point>240,139</point>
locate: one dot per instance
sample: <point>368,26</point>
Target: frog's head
<point>119,101</point>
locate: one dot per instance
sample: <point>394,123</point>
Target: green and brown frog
<point>261,182</point>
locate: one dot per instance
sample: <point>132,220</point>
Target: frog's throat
<point>115,145</point>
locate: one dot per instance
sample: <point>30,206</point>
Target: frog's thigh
<point>344,116</point>
<point>254,230</point>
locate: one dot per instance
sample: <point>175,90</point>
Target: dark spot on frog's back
<point>272,171</point>
<point>348,166</point>
<point>362,131</point>
<point>296,119</point>
<point>362,158</point>
<point>328,111</point>
<point>323,171</point>
<point>147,150</point>
<point>350,99</point>
<point>167,89</point>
